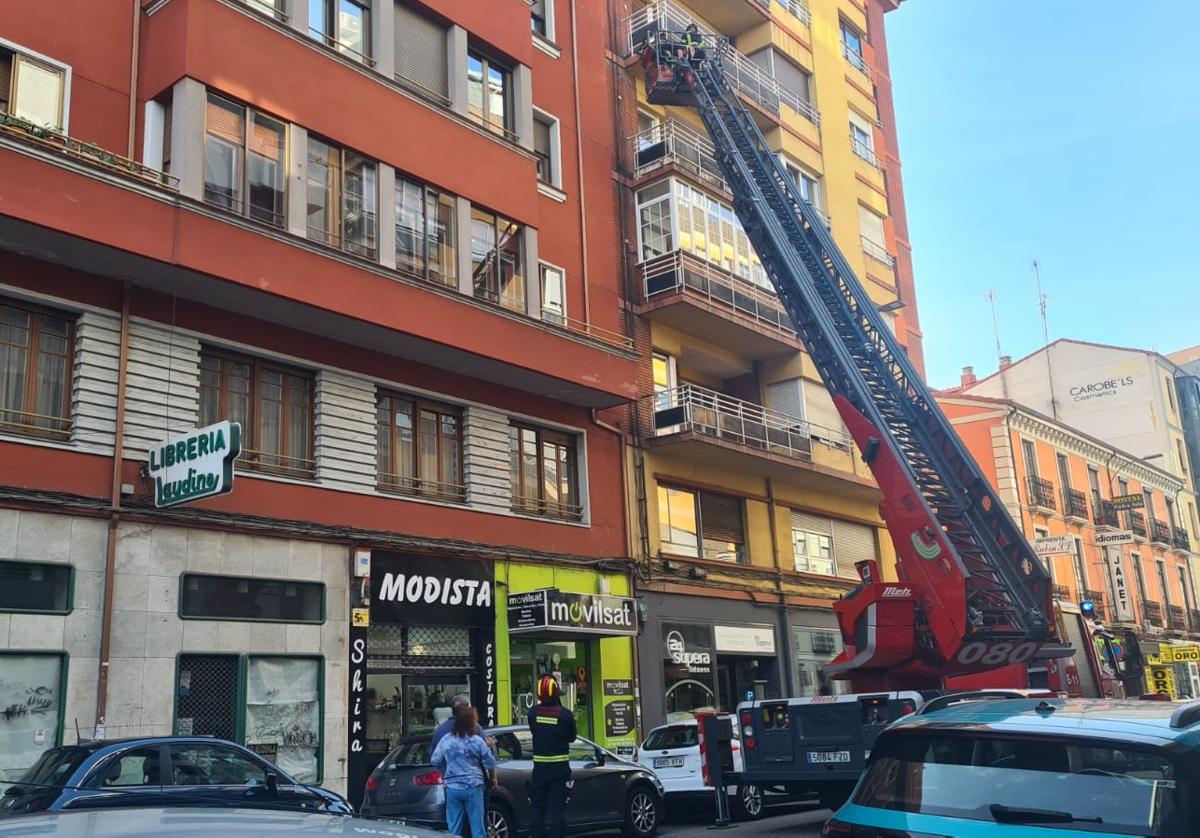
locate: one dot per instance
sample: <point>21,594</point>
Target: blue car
<point>160,771</point>
<point>1032,768</point>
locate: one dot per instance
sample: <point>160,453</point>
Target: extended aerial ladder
<point>973,595</point>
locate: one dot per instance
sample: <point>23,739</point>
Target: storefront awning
<point>549,611</point>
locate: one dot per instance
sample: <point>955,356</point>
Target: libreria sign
<point>196,465</point>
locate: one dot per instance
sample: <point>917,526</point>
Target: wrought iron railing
<point>679,272</point>
<point>547,508</point>
<point>404,484</point>
<point>689,407</point>
<point>1152,612</point>
<point>877,252</point>
<point>1176,618</point>
<point>1096,598</point>
<point>1062,592</point>
<point>677,143</point>
<point>272,462</point>
<point>1160,533</point>
<point>1074,503</point>
<point>645,25</point>
<point>1137,523</point>
<point>1179,538</point>
<point>1103,512</point>
<point>1041,492</point>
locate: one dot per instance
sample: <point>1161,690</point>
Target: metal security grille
<point>419,647</point>
<point>206,696</point>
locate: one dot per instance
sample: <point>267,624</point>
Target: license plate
<point>817,757</point>
<point>668,762</point>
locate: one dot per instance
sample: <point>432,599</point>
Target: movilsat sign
<point>196,465</point>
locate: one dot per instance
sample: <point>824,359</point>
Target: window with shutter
<point>787,397</point>
<point>852,543</point>
<point>819,410</point>
<point>420,52</point>
<point>721,530</point>
<point>871,225</point>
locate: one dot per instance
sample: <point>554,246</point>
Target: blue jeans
<point>463,806</point>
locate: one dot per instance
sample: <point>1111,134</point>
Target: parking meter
<point>716,758</point>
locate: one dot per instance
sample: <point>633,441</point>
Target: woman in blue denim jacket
<point>466,764</point>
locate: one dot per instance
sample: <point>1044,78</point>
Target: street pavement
<point>795,820</point>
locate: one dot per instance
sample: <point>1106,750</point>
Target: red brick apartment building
<point>356,227</point>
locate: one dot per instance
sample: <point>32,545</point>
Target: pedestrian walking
<point>553,729</point>
<point>467,767</point>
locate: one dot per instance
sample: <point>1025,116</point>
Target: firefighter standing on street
<point>553,729</point>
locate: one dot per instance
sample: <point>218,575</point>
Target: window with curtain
<point>32,90</point>
<point>342,193</point>
<point>344,25</point>
<point>554,294</point>
<point>497,260</point>
<point>419,447</point>
<point>244,161</point>
<point>35,371</point>
<point>489,93</point>
<point>544,468</point>
<point>701,524</point>
<point>426,232</point>
<point>273,403</point>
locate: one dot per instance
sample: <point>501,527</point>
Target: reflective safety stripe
<point>555,758</point>
<point>547,720</point>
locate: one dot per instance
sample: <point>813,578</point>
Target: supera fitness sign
<point>196,465</point>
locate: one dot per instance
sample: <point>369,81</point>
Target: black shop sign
<point>431,591</point>
<point>618,718</point>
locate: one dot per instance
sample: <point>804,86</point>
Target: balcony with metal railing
<point>1040,493</point>
<point>1179,539</point>
<point>1152,612</point>
<point>1096,598</point>
<point>864,151</point>
<point>1075,505</point>
<point>721,430</point>
<point>877,252</point>
<point>1061,592</point>
<point>1160,533</point>
<point>1104,514</point>
<point>675,145</point>
<point>1176,618</point>
<point>695,296</point>
<point>856,60</point>
<point>1137,523</point>
<point>665,19</point>
<point>798,9</point>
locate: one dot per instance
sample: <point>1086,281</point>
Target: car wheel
<point>748,804</point>
<point>498,823</point>
<point>643,811</point>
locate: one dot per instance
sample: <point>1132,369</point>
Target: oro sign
<point>197,465</point>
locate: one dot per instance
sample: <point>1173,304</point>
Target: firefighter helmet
<point>547,688</point>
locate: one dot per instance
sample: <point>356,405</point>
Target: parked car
<point>1014,767</point>
<point>672,751</point>
<point>608,792</point>
<point>160,771</point>
<point>231,822</point>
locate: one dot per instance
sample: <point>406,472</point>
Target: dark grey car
<point>608,792</point>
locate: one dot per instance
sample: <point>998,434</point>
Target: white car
<point>672,751</point>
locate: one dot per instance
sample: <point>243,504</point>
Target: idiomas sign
<point>197,465</point>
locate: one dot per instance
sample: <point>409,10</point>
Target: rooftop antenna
<point>991,298</point>
<point>1037,274</point>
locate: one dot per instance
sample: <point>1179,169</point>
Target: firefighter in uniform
<point>553,729</point>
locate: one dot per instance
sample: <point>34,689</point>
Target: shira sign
<point>197,465</point>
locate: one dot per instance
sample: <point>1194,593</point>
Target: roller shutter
<point>420,51</point>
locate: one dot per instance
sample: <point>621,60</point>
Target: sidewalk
<point>795,820</point>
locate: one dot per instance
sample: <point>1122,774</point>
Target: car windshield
<point>55,766</point>
<point>1063,785</point>
<point>672,736</point>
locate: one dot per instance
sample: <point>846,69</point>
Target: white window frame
<point>807,558</point>
<point>551,31</point>
<point>552,317</point>
<point>556,175</point>
<point>17,49</point>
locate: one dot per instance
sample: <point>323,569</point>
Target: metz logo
<point>893,591</point>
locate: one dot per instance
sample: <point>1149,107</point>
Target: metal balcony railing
<point>1176,618</point>
<point>877,252</point>
<point>799,10</point>
<point>1160,533</point>
<point>1074,503</point>
<point>1062,592</point>
<point>864,151</point>
<point>1103,512</point>
<point>1041,492</point>
<point>1179,539</point>
<point>677,143</point>
<point>1194,614</point>
<point>689,407</point>
<point>1152,612</point>
<point>679,272</point>
<point>1096,598</point>
<point>1137,523</point>
<point>746,77</point>
<point>856,60</point>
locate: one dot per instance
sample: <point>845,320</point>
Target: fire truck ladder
<point>1007,590</point>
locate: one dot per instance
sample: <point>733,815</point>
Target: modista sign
<point>196,465</point>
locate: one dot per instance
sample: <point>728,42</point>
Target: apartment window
<point>274,8</point>
<point>554,294</point>
<point>710,230</point>
<point>545,146</point>
<point>273,403</point>
<point>36,586</point>
<point>813,553</point>
<point>1080,568</point>
<point>654,220</point>
<point>419,52</point>
<point>419,447</point>
<point>545,472</point>
<point>1094,481</point>
<point>1122,486</point>
<point>852,46</point>
<point>497,259</point>
<point>862,138</point>
<point>1187,591</point>
<point>35,371</point>
<point>32,90</point>
<point>1064,471</point>
<point>701,524</point>
<point>1162,582</point>
<point>542,18</point>
<point>344,25</point>
<point>489,94</point>
<point>649,130</point>
<point>244,161</point>
<point>870,224</point>
<point>1170,504</point>
<point>341,198</point>
<point>1181,455</point>
<point>205,597</point>
<point>1029,454</point>
<point>1148,500</point>
<point>809,185</point>
<point>1136,560</point>
<point>426,232</point>
<point>1169,387</point>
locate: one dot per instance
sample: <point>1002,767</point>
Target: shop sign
<point>697,661</point>
<point>550,608</point>
<point>618,686</point>
<point>1053,545</point>
<point>1135,501</point>
<point>1185,653</point>
<point>1122,606</point>
<point>360,617</point>
<point>618,718</point>
<point>357,716</point>
<point>431,590</point>
<point>486,665</point>
<point>194,466</point>
<point>1161,679</point>
<point>745,640</point>
<point>1114,539</point>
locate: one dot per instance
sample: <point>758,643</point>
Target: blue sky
<point>1061,130</point>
